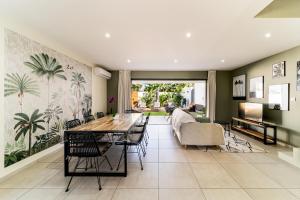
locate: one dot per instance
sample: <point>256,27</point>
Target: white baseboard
<point>23,164</point>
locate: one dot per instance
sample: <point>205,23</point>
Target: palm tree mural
<point>43,65</point>
<point>78,88</point>
<point>28,125</point>
<point>52,113</point>
<point>19,84</point>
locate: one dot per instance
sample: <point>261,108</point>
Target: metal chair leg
<point>97,170</point>
<point>68,186</point>
<point>140,158</point>
<point>106,158</point>
<point>120,160</point>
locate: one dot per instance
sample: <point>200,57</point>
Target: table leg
<point>66,161</point>
<point>125,159</point>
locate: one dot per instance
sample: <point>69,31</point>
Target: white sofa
<point>190,132</point>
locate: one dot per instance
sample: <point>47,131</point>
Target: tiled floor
<point>170,172</point>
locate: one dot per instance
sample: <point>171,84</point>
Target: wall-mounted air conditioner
<point>102,73</point>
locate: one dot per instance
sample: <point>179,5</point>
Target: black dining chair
<point>85,147</point>
<point>89,118</point>
<point>99,114</point>
<point>133,139</point>
<point>72,124</point>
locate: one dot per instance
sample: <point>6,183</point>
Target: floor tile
<point>151,156</point>
<point>11,194</point>
<point>226,194</point>
<point>228,157</point>
<point>295,192</point>
<point>137,178</point>
<point>286,175</point>
<point>45,194</point>
<point>176,175</point>
<point>172,155</point>
<point>249,177</point>
<point>199,156</point>
<point>273,194</point>
<point>90,194</point>
<point>258,158</point>
<point>213,176</point>
<point>136,194</point>
<point>169,144</point>
<point>179,194</point>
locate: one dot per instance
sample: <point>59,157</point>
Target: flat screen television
<point>251,111</point>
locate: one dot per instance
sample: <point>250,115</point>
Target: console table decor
<point>244,126</point>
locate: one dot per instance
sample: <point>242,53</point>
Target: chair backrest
<point>100,115</point>
<point>89,118</point>
<point>81,144</point>
<point>72,124</point>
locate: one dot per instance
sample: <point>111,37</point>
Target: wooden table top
<point>122,123</point>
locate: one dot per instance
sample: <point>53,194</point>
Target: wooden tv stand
<point>243,125</point>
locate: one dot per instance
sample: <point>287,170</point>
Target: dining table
<point>121,123</point>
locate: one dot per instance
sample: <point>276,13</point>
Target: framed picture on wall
<point>298,76</point>
<point>239,87</point>
<point>278,70</point>
<point>279,97</point>
<point>256,89</point>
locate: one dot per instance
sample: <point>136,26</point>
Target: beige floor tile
<point>258,158</point>
<point>11,194</point>
<point>176,175</point>
<point>179,194</point>
<point>56,181</point>
<point>169,144</point>
<point>152,144</point>
<point>45,194</point>
<point>273,194</point>
<point>223,157</point>
<point>249,177</point>
<point>172,155</point>
<point>213,176</point>
<point>54,157</point>
<point>199,156</point>
<point>136,194</point>
<point>137,178</point>
<point>90,194</point>
<point>286,175</point>
<point>295,192</point>
<point>151,156</point>
<point>91,182</point>
<point>226,194</point>
<point>30,177</point>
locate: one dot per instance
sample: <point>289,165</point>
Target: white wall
<point>99,94</point>
<point>98,88</point>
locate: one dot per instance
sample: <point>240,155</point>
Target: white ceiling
<point>151,33</point>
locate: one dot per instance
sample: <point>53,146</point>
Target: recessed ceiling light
<point>222,60</point>
<point>107,35</point>
<point>188,35</point>
<point>175,61</point>
<point>128,61</point>
<point>268,35</point>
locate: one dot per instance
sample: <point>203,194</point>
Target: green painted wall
<point>170,75</point>
<point>224,96</point>
<point>289,130</point>
<point>112,91</point>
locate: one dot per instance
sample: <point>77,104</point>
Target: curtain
<point>124,91</point>
<point>211,97</point>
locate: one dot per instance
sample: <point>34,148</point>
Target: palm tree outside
<point>19,84</point>
<point>28,125</point>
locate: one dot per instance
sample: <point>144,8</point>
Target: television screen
<point>254,111</point>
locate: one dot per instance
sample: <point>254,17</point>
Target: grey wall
<point>224,96</point>
<point>288,121</point>
<point>112,91</point>
<point>170,75</point>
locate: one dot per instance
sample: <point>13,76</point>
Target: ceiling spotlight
<point>268,35</point>
<point>107,35</point>
<point>128,61</point>
<point>175,61</point>
<point>222,60</point>
<point>188,35</point>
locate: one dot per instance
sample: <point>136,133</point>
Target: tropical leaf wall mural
<point>41,93</point>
